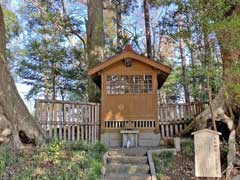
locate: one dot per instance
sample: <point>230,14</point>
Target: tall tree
<point>147,27</point>
<point>95,32</point>
<point>119,10</point>
<point>224,20</point>
<point>95,42</point>
<point>54,64</point>
<point>17,125</point>
<point>228,96</point>
<point>183,59</point>
<point>2,37</point>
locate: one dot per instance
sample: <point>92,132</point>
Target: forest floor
<point>56,160</point>
<point>79,160</point>
<point>181,166</point>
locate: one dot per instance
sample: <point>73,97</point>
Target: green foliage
<point>12,25</point>
<point>161,162</point>
<point>214,10</point>
<point>221,18</point>
<point>53,55</point>
<point>201,49</point>
<point>9,159</point>
<point>5,158</point>
<point>187,147</point>
<point>57,160</point>
<point>234,85</point>
<point>173,86</point>
<point>84,146</point>
<point>52,69</point>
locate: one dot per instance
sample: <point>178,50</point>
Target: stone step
<point>127,159</point>
<point>128,152</point>
<point>128,177</point>
<point>127,168</point>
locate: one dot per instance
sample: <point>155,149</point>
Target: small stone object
<point>177,144</point>
<point>103,170</point>
<point>129,125</point>
<point>1,139</point>
<point>6,132</point>
<point>129,138</point>
<point>4,140</point>
<point>128,143</point>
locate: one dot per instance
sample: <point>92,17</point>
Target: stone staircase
<point>127,164</point>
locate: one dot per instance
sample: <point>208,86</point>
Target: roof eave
<point>166,69</point>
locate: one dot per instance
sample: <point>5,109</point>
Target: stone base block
<point>149,139</point>
<point>111,139</point>
<point>144,139</point>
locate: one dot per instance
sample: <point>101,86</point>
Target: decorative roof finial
<point>128,47</point>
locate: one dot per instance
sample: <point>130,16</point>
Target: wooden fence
<point>173,118</point>
<point>65,120</point>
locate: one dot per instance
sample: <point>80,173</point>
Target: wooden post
<point>60,116</point>
<point>50,108</point>
<point>54,120</point>
<point>65,122</point>
<point>68,122</point>
<point>78,121</point>
<point>73,122</point>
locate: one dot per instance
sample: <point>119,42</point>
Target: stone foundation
<point>144,139</point>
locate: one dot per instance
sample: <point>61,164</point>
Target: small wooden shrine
<point>129,84</point>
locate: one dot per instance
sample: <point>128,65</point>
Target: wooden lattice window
<point>117,84</point>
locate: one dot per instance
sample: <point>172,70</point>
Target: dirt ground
<point>182,168</point>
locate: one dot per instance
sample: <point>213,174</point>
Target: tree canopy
<point>50,45</point>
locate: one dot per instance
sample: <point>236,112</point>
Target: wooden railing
<point>173,118</point>
<point>66,120</point>
<point>138,124</point>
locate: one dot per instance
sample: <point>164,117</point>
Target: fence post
<point>69,120</point>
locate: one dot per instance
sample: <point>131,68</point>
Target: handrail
<point>177,104</point>
<point>64,102</point>
<point>173,118</point>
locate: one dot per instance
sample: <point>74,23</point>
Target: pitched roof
<point>129,54</point>
<point>164,70</point>
<point>206,130</point>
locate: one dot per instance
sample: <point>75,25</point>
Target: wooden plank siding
<point>131,106</point>
<point>129,84</point>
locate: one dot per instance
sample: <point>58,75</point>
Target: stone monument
<point>207,153</point>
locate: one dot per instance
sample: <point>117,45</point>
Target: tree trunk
<point>192,59</point>
<point>184,62</point>
<point>147,27</point>
<point>2,34</point>
<point>95,43</point>
<point>226,105</point>
<point>53,76</point>
<point>17,125</point>
<point>193,69</point>
<point>231,78</point>
<point>119,23</point>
